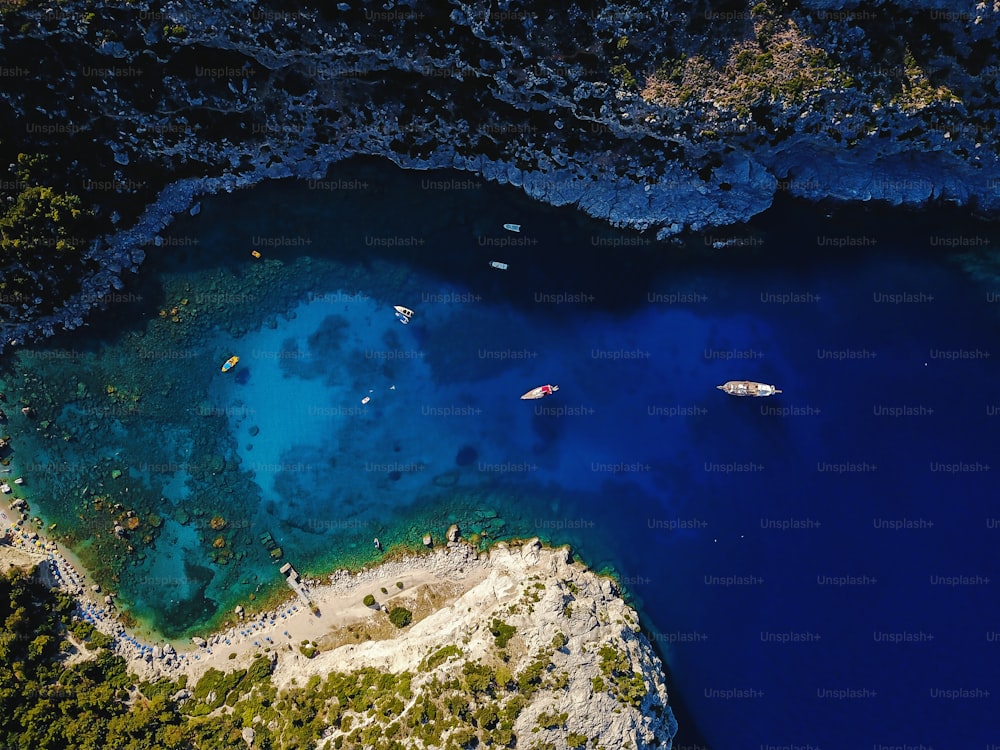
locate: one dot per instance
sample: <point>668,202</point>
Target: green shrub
<point>487,717</point>
<point>369,600</point>
<point>503,676</point>
<point>174,30</point>
<point>40,221</point>
<point>259,670</point>
<point>478,677</point>
<point>101,640</point>
<point>531,677</point>
<point>575,739</point>
<point>548,720</point>
<point>559,681</point>
<point>400,617</point>
<point>502,632</point>
<point>626,685</point>
<point>464,738</point>
<point>628,80</point>
<point>440,656</point>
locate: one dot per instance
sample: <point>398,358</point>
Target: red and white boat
<point>540,392</point>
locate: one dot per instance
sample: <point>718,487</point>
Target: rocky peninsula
<point>518,646</point>
<point>662,117</point>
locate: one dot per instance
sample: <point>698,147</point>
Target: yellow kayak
<point>230,363</point>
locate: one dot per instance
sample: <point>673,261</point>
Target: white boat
<point>747,388</point>
<point>512,227</point>
<point>498,264</point>
<point>540,392</point>
<point>403,314</point>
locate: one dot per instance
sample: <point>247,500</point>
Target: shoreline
<point>277,631</point>
<point>650,157</point>
<point>566,621</point>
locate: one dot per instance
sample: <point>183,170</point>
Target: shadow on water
<point>448,234</point>
<point>689,735</point>
<point>452,234</point>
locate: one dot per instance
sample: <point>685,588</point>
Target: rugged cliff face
<point>662,116</point>
<point>518,647</point>
<point>541,652</point>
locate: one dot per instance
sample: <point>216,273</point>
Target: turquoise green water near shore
<point>170,479</point>
<point>764,540</point>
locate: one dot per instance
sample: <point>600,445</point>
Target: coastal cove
<point>492,642</point>
<point>766,542</point>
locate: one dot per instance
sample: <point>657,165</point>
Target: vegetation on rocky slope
<point>42,232</point>
<point>781,59</point>
<point>601,104</point>
<point>453,700</point>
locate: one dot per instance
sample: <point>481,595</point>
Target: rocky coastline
<point>521,613</point>
<point>661,117</point>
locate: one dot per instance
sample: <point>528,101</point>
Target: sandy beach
<point>442,574</point>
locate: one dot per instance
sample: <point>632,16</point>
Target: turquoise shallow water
<point>717,513</point>
<point>167,474</point>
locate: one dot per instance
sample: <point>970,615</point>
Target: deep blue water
<point>776,547</point>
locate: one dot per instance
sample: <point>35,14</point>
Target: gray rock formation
<point>657,116</point>
<point>535,627</point>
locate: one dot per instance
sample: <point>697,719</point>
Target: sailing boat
<point>747,388</point>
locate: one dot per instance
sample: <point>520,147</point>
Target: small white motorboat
<point>512,227</point>
<point>403,314</point>
<point>498,264</point>
<point>540,392</point>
